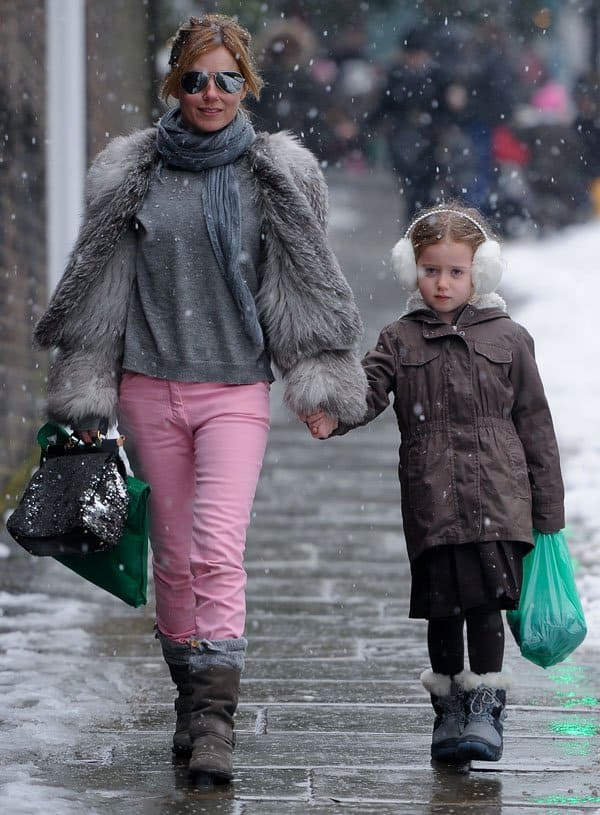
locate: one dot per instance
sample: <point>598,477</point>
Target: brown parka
<point>478,457</point>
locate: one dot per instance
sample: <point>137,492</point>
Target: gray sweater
<point>183,323</point>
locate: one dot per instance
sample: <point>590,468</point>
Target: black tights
<point>485,640</point>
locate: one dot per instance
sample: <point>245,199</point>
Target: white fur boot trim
<point>468,680</point>
<point>437,684</point>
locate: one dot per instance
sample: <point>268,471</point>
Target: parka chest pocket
<point>419,380</point>
<point>492,365</point>
<point>493,353</point>
<point>416,357</point>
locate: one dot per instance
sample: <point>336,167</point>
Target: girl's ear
<point>404,264</point>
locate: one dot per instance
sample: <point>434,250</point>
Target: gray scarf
<point>214,154</point>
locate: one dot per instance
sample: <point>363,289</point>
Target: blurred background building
<point>496,102</point>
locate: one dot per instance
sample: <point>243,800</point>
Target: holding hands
<point>320,424</point>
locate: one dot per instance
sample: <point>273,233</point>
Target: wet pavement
<point>333,718</point>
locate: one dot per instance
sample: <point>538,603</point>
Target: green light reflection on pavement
<point>569,679</point>
<point>574,726</point>
<point>568,799</point>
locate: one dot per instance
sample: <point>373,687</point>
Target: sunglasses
<point>196,81</point>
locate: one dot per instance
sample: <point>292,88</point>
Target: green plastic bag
<point>549,623</point>
<point>123,570</point>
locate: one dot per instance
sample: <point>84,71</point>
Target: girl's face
<point>444,276</point>
<point>212,108</point>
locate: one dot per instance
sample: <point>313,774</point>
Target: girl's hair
<point>453,220</point>
<point>202,34</point>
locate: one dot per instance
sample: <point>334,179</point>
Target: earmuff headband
<point>488,264</point>
<point>426,215</point>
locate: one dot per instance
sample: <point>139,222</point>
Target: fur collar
<point>493,300</point>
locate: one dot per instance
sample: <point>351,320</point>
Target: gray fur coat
<point>305,305</point>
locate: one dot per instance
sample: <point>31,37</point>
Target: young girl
<point>479,464</point>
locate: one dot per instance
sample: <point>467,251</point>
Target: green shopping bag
<point>123,570</point>
<point>549,623</point>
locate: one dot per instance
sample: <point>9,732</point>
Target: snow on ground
<point>555,281</point>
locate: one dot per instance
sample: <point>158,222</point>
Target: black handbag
<point>76,502</point>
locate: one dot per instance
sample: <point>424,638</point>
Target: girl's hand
<point>321,424</point>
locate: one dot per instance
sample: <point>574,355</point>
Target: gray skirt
<point>452,579</point>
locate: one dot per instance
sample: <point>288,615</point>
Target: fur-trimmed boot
<point>448,704</point>
<point>484,705</point>
<point>215,671</point>
<point>177,656</point>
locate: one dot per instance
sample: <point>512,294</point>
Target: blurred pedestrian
<point>354,94</point>
<point>479,95</point>
<point>202,259</point>
<point>409,112</point>
<point>479,463</point>
<point>586,95</point>
<point>294,95</point>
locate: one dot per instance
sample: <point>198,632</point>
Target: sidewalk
<point>333,718</point>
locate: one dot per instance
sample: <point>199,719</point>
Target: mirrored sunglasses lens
<point>194,81</point>
<point>229,81</point>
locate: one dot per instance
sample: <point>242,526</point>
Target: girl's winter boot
<point>448,704</point>
<point>484,705</point>
<point>177,657</point>
<point>215,672</point>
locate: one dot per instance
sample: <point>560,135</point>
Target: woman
<point>202,257</point>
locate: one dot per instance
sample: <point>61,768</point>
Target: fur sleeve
<point>305,303</point>
<point>86,318</point>
<point>305,172</point>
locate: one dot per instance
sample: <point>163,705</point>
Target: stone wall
<point>119,92</point>
<point>22,224</point>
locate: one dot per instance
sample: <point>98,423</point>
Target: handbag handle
<point>56,440</point>
<point>53,434</point>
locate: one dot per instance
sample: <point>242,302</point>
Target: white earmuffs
<point>486,271</point>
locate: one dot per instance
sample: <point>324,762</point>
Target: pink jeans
<point>200,446</point>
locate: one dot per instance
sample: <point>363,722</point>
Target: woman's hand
<point>321,424</point>
<point>88,436</point>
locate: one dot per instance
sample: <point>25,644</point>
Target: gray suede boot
<point>485,701</point>
<point>177,656</point>
<point>215,671</point>
<point>448,704</point>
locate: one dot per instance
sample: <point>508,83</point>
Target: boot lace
<point>485,704</point>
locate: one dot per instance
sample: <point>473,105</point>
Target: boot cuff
<point>174,653</point>
<point>437,684</point>
<point>502,680</point>
<point>218,652</point>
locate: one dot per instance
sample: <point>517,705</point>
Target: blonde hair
<point>452,220</point>
<point>202,34</point>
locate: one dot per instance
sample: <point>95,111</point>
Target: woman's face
<point>211,109</point>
